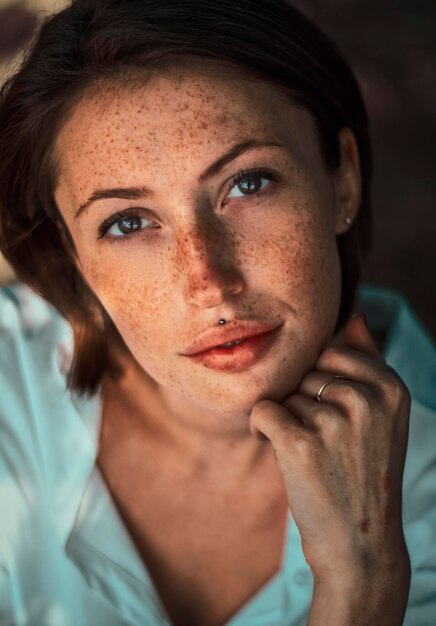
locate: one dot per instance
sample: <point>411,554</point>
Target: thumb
<point>358,336</point>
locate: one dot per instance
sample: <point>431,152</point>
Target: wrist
<point>362,596</point>
<point>387,560</point>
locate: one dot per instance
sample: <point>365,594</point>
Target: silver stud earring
<point>348,220</point>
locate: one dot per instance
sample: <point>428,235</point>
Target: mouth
<point>233,334</point>
<point>230,344</point>
<point>239,354</point>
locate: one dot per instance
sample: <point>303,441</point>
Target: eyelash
<point>239,177</point>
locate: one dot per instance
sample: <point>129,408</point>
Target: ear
<point>348,182</point>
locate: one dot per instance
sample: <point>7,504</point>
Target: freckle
<point>364,526</point>
<point>385,482</point>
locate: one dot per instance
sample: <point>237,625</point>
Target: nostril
<point>236,287</point>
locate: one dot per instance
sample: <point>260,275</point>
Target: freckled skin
<point>364,526</point>
<point>272,257</point>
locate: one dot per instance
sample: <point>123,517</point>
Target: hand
<point>342,459</point>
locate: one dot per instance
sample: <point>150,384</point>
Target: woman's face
<point>168,253</point>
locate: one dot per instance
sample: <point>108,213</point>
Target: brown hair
<point>93,40</point>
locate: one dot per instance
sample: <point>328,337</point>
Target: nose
<point>208,265</point>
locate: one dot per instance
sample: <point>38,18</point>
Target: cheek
<point>297,264</point>
<point>314,273</point>
<point>292,255</point>
<point>137,301</point>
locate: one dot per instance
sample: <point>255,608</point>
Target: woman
<point>204,435</point>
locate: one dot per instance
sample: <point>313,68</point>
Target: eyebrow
<point>136,193</point>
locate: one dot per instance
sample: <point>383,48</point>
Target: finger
<point>341,394</point>
<point>358,336</point>
<point>353,364</point>
<point>274,422</point>
<point>311,412</point>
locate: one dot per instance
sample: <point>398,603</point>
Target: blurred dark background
<point>391,46</point>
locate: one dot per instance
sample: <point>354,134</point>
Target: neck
<point>137,406</point>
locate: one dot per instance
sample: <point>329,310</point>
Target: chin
<point>235,396</point>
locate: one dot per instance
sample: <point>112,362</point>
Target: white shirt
<point>66,558</point>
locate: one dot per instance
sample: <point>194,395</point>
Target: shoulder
<point>34,340</point>
<point>47,449</point>
<point>24,366</point>
<point>35,343</point>
<point>30,330</point>
<point>36,407</point>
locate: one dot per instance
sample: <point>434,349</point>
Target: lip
<point>215,337</point>
<point>241,356</point>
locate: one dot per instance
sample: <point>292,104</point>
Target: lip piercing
<point>222,321</point>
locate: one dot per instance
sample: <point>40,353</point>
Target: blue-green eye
<point>249,183</point>
<point>123,224</point>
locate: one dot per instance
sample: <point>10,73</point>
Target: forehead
<point>175,119</point>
